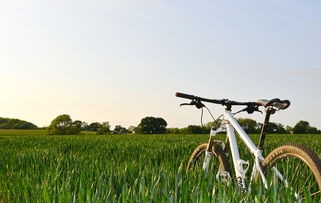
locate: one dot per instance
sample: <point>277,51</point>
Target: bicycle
<point>290,168</point>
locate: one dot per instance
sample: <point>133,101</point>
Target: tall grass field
<point>118,168</point>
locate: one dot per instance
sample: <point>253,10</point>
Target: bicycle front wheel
<point>295,170</point>
<point>218,164</point>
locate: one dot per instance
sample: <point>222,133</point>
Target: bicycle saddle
<point>276,103</point>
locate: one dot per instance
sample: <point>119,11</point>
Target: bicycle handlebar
<point>192,97</point>
<point>224,102</point>
<point>183,95</point>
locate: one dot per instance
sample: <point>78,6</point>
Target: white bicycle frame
<point>240,166</point>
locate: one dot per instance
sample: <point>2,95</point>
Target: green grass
<point>115,168</point>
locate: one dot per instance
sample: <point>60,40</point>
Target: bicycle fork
<point>209,152</point>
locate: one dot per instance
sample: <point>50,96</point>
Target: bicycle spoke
<point>303,198</point>
<point>287,167</point>
<point>319,192</point>
<point>312,185</point>
<point>295,174</point>
<point>306,181</point>
<point>298,179</point>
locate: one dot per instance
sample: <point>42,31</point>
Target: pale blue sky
<point>122,60</point>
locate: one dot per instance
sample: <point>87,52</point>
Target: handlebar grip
<point>186,96</point>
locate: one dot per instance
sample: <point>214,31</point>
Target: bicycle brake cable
<point>210,114</point>
<point>238,112</point>
<point>202,113</point>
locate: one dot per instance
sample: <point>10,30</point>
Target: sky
<point>122,60</point>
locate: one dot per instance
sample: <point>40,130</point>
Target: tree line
<point>63,125</point>
<point>250,126</point>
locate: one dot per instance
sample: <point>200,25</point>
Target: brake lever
<point>196,103</point>
<point>185,104</point>
<point>251,109</point>
<point>256,108</point>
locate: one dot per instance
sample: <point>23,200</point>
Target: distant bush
<point>151,125</point>
<point>120,130</point>
<point>194,129</point>
<point>303,127</point>
<point>9,123</point>
<point>104,128</point>
<point>63,125</point>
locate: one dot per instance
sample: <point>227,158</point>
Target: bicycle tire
<point>298,164</point>
<point>196,160</point>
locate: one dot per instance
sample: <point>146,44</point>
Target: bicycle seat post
<point>269,111</point>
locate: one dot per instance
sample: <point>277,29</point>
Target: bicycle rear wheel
<point>300,168</point>
<point>219,163</point>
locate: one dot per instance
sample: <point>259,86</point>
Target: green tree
<point>172,130</point>
<point>303,127</point>
<point>289,129</point>
<point>93,126</point>
<point>152,125</point>
<point>249,125</point>
<point>120,130</point>
<point>77,123</point>
<point>313,130</point>
<point>104,128</point>
<point>63,125</point>
<point>276,128</point>
<point>195,129</point>
<point>84,126</point>
<point>131,129</point>
<point>213,124</point>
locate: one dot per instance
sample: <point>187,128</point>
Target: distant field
<point>5,132</point>
<point>116,168</point>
